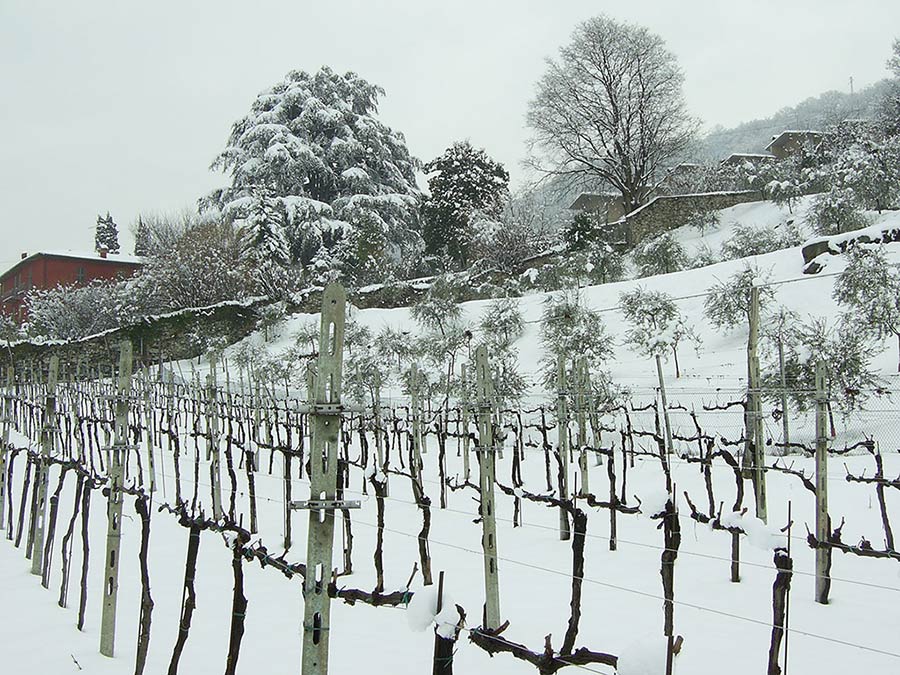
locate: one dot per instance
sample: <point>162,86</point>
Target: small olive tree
<point>568,327</point>
<point>728,303</point>
<point>656,326</point>
<point>869,287</point>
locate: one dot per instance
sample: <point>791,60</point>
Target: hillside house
<point>788,143</point>
<point>606,206</point>
<point>741,158</point>
<point>49,269</point>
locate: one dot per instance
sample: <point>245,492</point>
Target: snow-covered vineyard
<point>626,536</point>
<point>406,344</point>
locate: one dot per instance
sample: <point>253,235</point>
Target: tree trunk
<point>189,597</point>
<point>146,613</point>
<point>238,606</point>
<point>780,590</point>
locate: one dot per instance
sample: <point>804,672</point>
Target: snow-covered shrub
<point>749,240</point>
<point>703,257</point>
<point>440,347</point>
<point>661,255</point>
<point>69,312</point>
<point>499,328</point>
<point>836,212</point>
<point>703,219</point>
<point>503,243</point>
<point>9,331</point>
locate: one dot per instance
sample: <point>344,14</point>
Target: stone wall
<point>838,244</point>
<point>666,213</point>
<point>179,335</point>
<point>190,333</point>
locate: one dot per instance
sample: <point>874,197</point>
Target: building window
<point>79,275</point>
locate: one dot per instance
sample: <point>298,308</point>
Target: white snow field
<point>726,626</point>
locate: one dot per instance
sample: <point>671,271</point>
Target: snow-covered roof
<point>794,133</point>
<point>746,155</point>
<point>90,255</point>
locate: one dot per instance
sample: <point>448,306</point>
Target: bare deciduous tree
<point>611,108</point>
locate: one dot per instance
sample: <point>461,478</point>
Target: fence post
<point>664,401</point>
<point>464,412</point>
<point>562,428</point>
<point>117,452</point>
<point>415,409</point>
<point>7,424</point>
<point>487,455</point>
<point>755,457</point>
<point>42,478</point>
<point>325,421</point>
<point>784,397</point>
<point>150,438</point>
<point>582,382</point>
<point>823,524</point>
<point>212,429</point>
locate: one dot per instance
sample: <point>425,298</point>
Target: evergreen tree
<point>340,174</point>
<point>142,243</point>
<point>262,232</point>
<point>463,181</point>
<point>107,234</point>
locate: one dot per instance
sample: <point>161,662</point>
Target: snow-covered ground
<point>725,625</point>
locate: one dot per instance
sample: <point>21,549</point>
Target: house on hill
<point>49,269</point>
<point>741,158</point>
<point>607,206</point>
<point>788,143</point>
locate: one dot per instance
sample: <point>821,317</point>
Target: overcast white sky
<point>121,106</point>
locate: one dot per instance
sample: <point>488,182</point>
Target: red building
<point>58,268</point>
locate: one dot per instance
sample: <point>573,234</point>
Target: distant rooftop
<point>111,258</point>
<point>736,156</point>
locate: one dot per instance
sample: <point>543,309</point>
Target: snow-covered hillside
<point>725,625</point>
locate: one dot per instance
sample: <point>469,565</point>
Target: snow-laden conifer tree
<point>262,230</point>
<point>107,234</point>
<point>142,243</point>
<point>345,180</point>
<point>463,181</point>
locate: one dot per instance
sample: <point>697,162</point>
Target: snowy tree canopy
<point>463,180</point>
<point>345,181</point>
<point>870,288</point>
<point>107,234</point>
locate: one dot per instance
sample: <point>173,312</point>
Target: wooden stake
<point>212,428</point>
<point>582,383</point>
<point>823,555</point>
<point>42,467</point>
<point>665,404</point>
<point>443,647</point>
<point>325,425</point>
<point>562,428</point>
<point>486,453</point>
<point>7,425</point>
<point>117,452</point>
